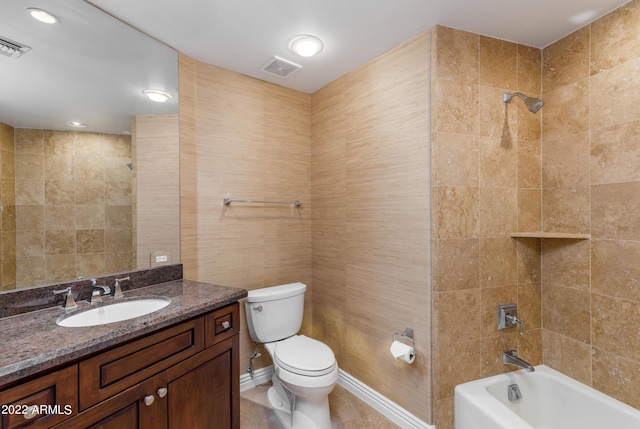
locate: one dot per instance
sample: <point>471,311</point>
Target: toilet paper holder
<point>406,335</point>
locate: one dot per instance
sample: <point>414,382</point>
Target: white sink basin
<point>116,312</point>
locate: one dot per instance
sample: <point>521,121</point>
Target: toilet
<point>305,370</point>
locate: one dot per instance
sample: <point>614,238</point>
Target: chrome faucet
<point>69,303</point>
<point>96,292</point>
<point>117,292</point>
<point>510,357</point>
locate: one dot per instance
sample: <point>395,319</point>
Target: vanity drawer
<point>222,324</point>
<point>115,370</point>
<point>55,394</point>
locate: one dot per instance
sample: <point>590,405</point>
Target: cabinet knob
<point>148,400</point>
<point>162,392</point>
<point>31,412</point>
<point>226,324</point>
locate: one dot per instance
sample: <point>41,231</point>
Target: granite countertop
<point>33,342</point>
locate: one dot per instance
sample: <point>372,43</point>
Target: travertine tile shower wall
<point>73,209</point>
<point>591,184</point>
<point>486,185</point>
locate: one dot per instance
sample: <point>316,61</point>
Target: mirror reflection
<point>69,199</point>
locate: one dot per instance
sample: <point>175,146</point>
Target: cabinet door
<point>205,396</point>
<point>42,402</point>
<point>136,408</point>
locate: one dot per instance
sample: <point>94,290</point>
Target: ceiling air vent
<point>280,67</point>
<point>9,48</point>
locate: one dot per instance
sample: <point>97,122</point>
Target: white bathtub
<point>550,400</point>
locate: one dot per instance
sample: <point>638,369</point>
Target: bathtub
<point>550,400</point>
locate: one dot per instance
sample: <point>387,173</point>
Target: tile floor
<point>347,411</point>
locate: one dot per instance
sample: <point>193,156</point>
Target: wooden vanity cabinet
<point>185,376</point>
<point>55,394</point>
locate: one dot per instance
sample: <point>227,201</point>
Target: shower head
<point>532,103</point>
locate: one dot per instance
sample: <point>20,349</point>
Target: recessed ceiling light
<point>77,124</point>
<point>305,45</point>
<point>42,15</point>
<point>156,95</point>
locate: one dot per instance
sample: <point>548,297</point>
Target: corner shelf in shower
<point>545,234</point>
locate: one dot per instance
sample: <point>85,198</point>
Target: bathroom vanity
<point>175,368</point>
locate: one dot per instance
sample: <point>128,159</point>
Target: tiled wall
<point>73,207</point>
<point>7,208</point>
<point>591,184</point>
<point>245,139</point>
<point>370,229</point>
<point>486,185</point>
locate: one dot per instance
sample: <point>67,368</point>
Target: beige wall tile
<point>498,163</point>
<point>614,268</point>
<point>567,355</point>
<point>566,210</point>
<point>614,38</point>
<point>529,209</point>
<point>498,60</point>
<point>498,262</point>
<point>617,377</point>
<point>457,160</point>
<point>497,215</point>
<point>457,363</point>
<point>457,109</point>
<point>566,161</point>
<point>529,164</point>
<point>529,260</point>
<point>60,242</point>
<point>29,141</point>
<point>90,241</point>
<point>615,98</point>
<point>530,305</point>
<point>567,60</point>
<point>458,212</point>
<point>567,263</point>
<point>457,54</point>
<point>465,305</point>
<point>609,333</point>
<point>458,264</point>
<point>59,143</point>
<point>611,149</point>
<point>529,69</point>
<point>566,110</point>
<point>566,311</point>
<point>616,211</point>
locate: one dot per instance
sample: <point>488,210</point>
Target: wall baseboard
<point>258,377</point>
<point>381,404</point>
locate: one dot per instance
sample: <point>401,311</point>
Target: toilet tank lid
<point>276,292</point>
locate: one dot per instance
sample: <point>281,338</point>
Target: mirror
<point>69,197</point>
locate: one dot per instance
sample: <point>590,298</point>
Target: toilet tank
<point>275,313</point>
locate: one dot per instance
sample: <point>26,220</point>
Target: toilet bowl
<point>305,370</point>
<point>307,376</point>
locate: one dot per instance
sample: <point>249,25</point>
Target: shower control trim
<point>508,317</point>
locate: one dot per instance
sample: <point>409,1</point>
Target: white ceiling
<point>242,35</point>
<point>92,68</point>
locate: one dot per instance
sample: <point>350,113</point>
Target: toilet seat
<point>304,356</point>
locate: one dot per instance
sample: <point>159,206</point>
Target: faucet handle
<point>513,319</point>
<point>117,293</point>
<point>69,303</point>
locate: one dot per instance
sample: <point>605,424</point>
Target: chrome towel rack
<point>228,201</point>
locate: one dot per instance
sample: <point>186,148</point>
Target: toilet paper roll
<point>402,352</point>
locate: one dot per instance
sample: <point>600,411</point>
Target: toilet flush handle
<point>258,308</point>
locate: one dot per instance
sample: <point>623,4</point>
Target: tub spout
<point>510,357</point>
